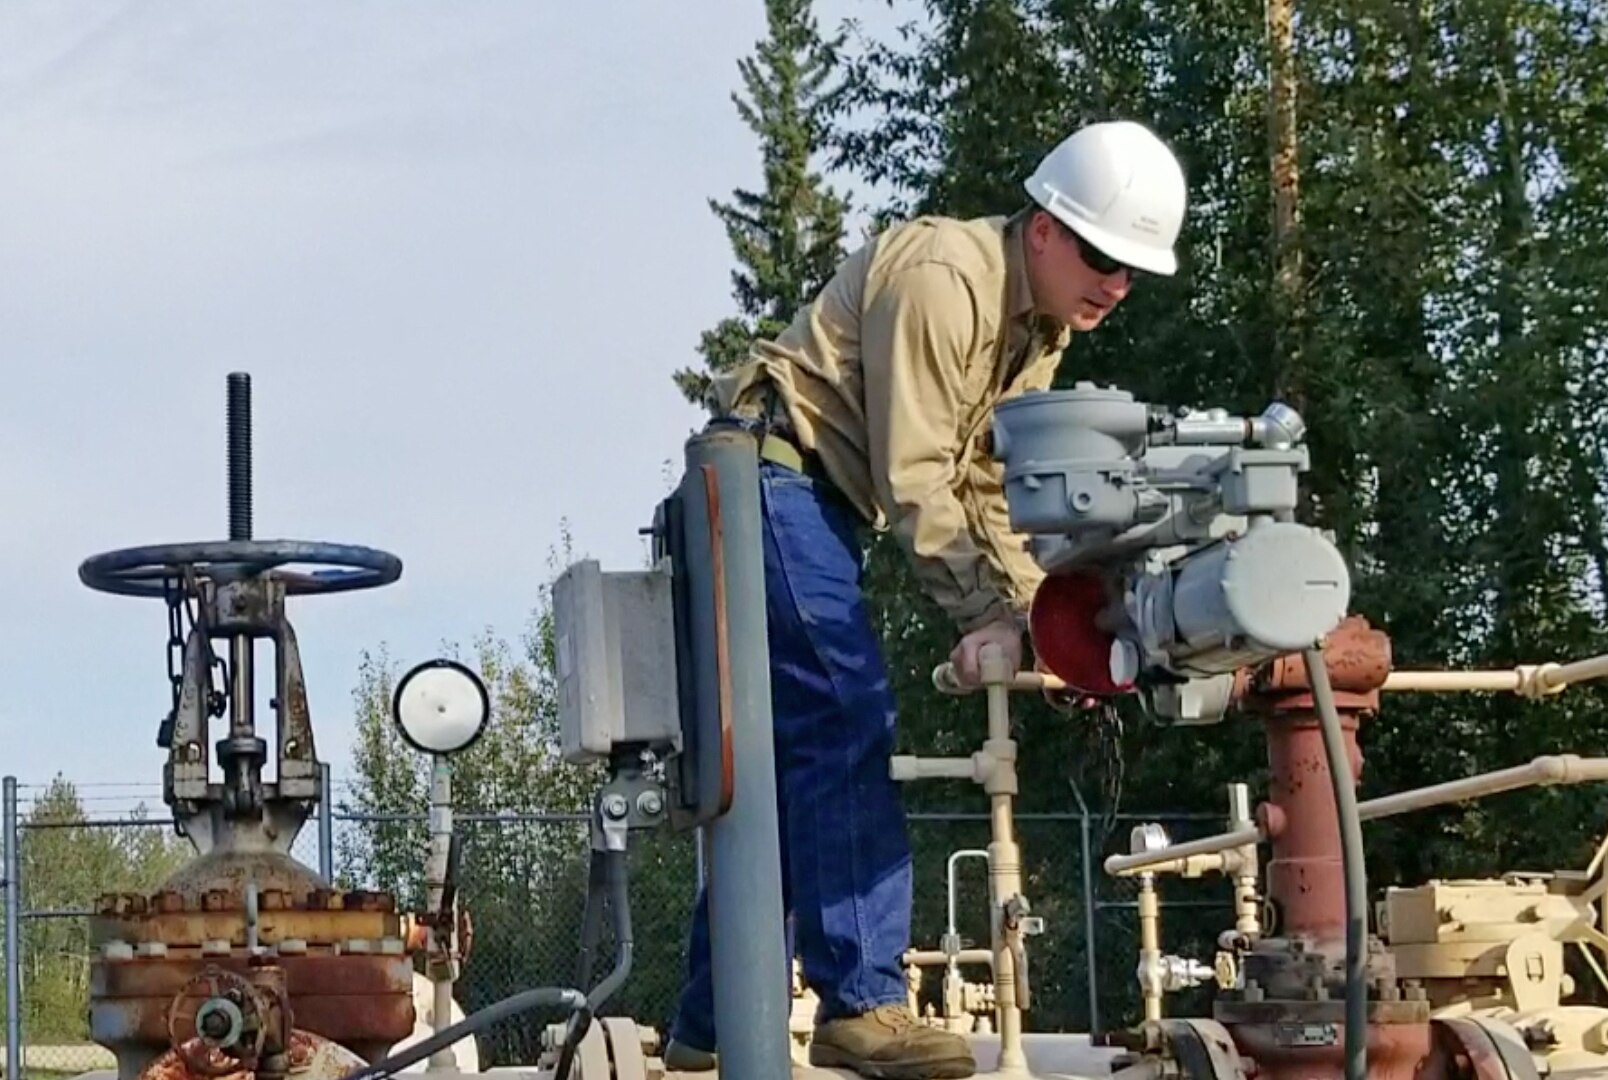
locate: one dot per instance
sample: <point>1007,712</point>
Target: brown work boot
<point>679,1057</point>
<point>888,1043</point>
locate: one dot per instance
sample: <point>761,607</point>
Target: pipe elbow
<point>1553,768</point>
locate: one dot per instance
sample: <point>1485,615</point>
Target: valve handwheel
<point>149,571</point>
<point>232,1013</point>
<point>145,571</point>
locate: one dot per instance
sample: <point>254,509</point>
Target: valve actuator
<point>1169,539</point>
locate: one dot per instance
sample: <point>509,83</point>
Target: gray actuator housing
<point>1189,517</point>
<point>614,634</point>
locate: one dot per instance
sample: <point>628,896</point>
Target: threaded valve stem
<point>239,456</point>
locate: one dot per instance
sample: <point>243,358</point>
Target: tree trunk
<point>1284,161</point>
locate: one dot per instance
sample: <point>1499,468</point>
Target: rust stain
<point>312,1057</point>
<point>1358,659</point>
<point>722,640</point>
<point>346,998</point>
<point>1396,1051</point>
<point>183,929</point>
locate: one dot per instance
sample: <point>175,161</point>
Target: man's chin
<point>1087,318</point>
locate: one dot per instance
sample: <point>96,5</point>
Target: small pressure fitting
<point>1271,820</point>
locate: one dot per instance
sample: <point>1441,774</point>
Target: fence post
<point>1088,911</point>
<point>326,824</point>
<point>13,920</point>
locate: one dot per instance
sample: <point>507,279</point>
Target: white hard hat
<point>1117,185</point>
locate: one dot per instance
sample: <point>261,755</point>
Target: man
<point>873,407</point>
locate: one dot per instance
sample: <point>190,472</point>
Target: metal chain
<point>174,598</point>
<point>183,604</point>
<point>1110,732</point>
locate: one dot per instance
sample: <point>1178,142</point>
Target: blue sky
<point>460,246</point>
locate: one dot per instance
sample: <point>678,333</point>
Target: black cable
<point>579,1022</point>
<point>1351,858</point>
<point>612,867</point>
<point>591,930</point>
<point>620,901</point>
<point>592,917</point>
<point>491,1014</point>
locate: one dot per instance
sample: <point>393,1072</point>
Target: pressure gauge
<point>440,707</point>
<point>1146,838</point>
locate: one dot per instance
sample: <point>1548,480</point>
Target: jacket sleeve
<point>1007,548</point>
<point>918,333</point>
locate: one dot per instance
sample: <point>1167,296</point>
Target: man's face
<point>1072,281</point>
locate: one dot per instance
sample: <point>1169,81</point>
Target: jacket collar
<point>1018,292</point>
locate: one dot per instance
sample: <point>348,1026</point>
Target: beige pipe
<point>1542,772</point>
<point>994,769</point>
<point>1246,871</point>
<point>1528,680</point>
<point>939,958</point>
<point>945,680</point>
<point>1149,946</point>
<point>1004,857</point>
<point>1206,845</point>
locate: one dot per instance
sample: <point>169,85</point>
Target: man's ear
<point>1038,228</point>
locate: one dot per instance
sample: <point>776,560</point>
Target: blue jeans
<point>846,868</point>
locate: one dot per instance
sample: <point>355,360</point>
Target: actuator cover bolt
<point>650,803</point>
<point>615,806</point>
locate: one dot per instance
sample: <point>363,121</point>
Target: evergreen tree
<point>788,237</point>
<point>64,865</point>
<point>1427,300</point>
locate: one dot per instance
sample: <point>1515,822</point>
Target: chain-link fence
<point>523,879</point>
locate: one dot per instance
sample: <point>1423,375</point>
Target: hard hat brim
<point>1162,262</point>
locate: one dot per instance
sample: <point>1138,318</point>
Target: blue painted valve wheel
<point>331,568</point>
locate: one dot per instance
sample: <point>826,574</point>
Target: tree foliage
<point>526,882</point>
<point>787,238</point>
<point>1445,340</point>
<point>64,864</point>
<point>520,810</point>
<point>1430,298</point>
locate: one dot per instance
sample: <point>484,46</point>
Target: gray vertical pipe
<point>743,847</point>
<point>13,938</point>
<point>1089,904</point>
<point>326,824</point>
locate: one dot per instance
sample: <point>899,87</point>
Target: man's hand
<point>965,657</point>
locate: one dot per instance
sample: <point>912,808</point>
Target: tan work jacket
<point>890,377</point>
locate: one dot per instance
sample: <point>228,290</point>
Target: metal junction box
<point>614,634</point>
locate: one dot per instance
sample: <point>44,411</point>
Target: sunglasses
<point>1099,261</point>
